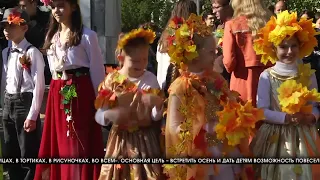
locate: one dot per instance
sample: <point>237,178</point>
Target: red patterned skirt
<point>85,135</point>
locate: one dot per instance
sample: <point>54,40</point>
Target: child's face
<point>288,51</point>
<point>61,11</point>
<point>207,54</point>
<point>136,60</point>
<point>14,32</point>
<point>29,6</point>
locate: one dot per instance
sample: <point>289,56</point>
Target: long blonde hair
<point>255,11</point>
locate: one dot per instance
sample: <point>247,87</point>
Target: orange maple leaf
<point>15,18</point>
<point>103,98</point>
<point>110,69</point>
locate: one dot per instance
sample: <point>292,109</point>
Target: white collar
<point>197,73</point>
<point>21,45</point>
<point>286,69</point>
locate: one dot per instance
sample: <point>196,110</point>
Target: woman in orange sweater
<point>239,58</point>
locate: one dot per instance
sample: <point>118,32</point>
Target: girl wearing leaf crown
<point>287,92</point>
<point>130,99</point>
<point>194,105</point>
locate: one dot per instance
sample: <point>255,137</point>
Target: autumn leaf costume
<point>286,89</point>
<point>195,107</point>
<point>130,140</point>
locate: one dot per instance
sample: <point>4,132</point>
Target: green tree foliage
<point>206,6</point>
<point>298,5</point>
<point>293,5</point>
<point>136,12</point>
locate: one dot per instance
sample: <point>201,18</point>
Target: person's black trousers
<point>17,142</point>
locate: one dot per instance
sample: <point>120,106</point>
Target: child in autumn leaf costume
<point>286,91</point>
<point>194,100</point>
<point>130,99</point>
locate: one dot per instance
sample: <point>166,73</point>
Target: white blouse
<point>163,60</point>
<point>145,82</point>
<point>264,92</point>
<point>86,54</point>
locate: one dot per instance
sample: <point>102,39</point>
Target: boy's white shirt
<point>33,82</point>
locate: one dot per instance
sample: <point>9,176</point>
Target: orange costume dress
<point>240,59</point>
<point>130,140</point>
<point>191,117</point>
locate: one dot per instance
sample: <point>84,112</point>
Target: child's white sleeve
<point>263,101</point>
<point>37,75</point>
<point>100,119</point>
<point>156,114</point>
<point>97,70</point>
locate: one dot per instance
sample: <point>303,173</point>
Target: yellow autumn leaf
<point>148,35</point>
<point>191,48</point>
<point>237,121</point>
<point>191,55</point>
<point>258,46</point>
<point>120,78</point>
<point>169,166</point>
<point>293,97</point>
<point>221,131</point>
<point>234,138</point>
<point>297,169</point>
<point>280,33</point>
<point>132,176</point>
<point>305,73</point>
<point>184,30</point>
<point>284,26</point>
<point>285,18</point>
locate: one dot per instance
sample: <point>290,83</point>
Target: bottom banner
<point>160,161</point>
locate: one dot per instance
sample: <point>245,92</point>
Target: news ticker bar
<point>160,161</point>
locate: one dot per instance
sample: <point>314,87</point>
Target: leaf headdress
<point>277,29</point>
<point>182,48</point>
<point>147,34</point>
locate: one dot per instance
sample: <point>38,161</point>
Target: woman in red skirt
<point>76,64</point>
